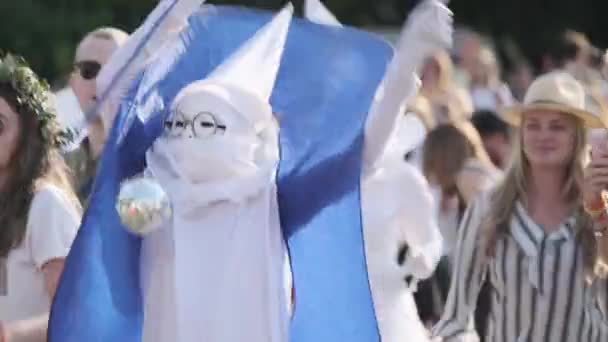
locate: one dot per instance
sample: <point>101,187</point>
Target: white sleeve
<point>399,84</point>
<point>419,229</point>
<point>51,225</point>
<point>419,37</point>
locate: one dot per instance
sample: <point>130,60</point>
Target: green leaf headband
<point>34,94</point>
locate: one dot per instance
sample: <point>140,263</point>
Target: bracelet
<point>595,208</point>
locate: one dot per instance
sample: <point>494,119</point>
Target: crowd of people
<point>483,203</point>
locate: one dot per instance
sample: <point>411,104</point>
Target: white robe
<point>216,273</point>
<point>397,209</point>
<point>397,205</point>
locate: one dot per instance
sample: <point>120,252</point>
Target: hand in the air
<point>430,25</point>
<point>596,176</point>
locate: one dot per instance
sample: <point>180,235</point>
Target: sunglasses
<point>88,70</point>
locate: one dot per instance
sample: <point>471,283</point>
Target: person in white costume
<point>405,212</point>
<point>214,273</point>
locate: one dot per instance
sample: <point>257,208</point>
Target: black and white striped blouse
<point>539,292</point>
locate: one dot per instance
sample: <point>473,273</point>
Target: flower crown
<point>34,94</point>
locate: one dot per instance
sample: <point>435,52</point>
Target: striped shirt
<point>539,292</point>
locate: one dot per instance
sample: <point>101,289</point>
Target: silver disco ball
<point>143,205</point>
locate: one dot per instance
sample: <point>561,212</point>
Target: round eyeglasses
<point>203,125</point>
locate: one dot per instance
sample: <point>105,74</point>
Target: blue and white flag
<point>326,83</point>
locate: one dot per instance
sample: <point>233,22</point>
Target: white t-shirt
<point>51,227</point>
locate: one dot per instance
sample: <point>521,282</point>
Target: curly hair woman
<point>39,213</point>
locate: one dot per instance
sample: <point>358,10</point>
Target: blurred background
<point>521,38</point>
<point>46,32</point>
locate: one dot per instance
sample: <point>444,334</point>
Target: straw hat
<point>556,91</point>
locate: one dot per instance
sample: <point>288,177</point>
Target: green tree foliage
<point>46,31</point>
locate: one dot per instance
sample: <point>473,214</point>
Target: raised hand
<point>429,27</point>
<point>596,177</point>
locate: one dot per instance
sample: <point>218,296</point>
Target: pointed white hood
<point>315,11</point>
<point>221,128</point>
<point>248,76</point>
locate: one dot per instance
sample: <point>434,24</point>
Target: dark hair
<point>33,160</point>
<point>445,151</point>
<point>567,46</point>
<point>487,123</point>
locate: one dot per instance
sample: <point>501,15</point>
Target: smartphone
<point>598,139</point>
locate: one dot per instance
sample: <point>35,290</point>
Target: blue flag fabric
<point>324,89</point>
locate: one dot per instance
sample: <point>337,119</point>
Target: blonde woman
<point>530,238</point>
<point>449,102</point>
<point>488,91</point>
<point>421,107</point>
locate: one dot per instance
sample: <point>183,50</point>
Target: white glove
<point>429,27</point>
